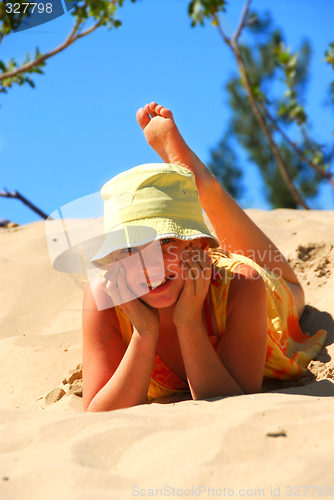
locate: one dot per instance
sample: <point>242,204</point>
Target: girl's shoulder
<point>234,280</point>
<point>98,308</point>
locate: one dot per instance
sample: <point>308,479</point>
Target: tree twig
<point>326,175</point>
<point>331,155</point>
<point>307,139</point>
<point>2,10</point>
<point>242,22</point>
<point>221,32</point>
<point>19,196</point>
<point>88,31</point>
<point>38,60</point>
<point>71,39</point>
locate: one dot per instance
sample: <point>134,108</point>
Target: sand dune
<point>275,443</point>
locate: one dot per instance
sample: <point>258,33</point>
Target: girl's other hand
<point>197,270</point>
<point>144,318</point>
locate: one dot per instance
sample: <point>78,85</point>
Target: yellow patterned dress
<point>288,350</point>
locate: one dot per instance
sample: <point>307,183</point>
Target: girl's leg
<point>236,232</point>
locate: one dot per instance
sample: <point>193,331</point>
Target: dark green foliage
<point>329,58</point>
<point>329,54</point>
<point>272,70</point>
<point>21,78</point>
<point>331,94</point>
<point>224,166</point>
<point>199,10</point>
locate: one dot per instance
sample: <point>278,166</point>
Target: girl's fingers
<point>124,291</point>
<point>205,263</point>
<point>111,274</point>
<point>191,275</point>
<point>190,264</point>
<point>110,282</point>
<point>189,285</point>
<point>200,255</point>
<point>199,262</point>
<point>197,270</point>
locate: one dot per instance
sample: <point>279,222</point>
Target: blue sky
<point>77,128</point>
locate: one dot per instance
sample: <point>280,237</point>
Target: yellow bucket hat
<point>147,203</point>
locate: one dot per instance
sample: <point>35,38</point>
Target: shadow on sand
<point>312,321</point>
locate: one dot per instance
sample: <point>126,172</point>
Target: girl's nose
<point>153,260</point>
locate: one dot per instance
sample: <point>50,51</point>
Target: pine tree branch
<point>307,139</point>
<point>273,146</point>
<point>260,119</point>
<point>331,155</point>
<point>326,175</point>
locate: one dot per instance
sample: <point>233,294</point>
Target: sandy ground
<point>277,443</point>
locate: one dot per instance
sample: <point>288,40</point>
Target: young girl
<point>179,313</point>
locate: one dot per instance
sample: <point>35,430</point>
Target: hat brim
<point>144,231</point>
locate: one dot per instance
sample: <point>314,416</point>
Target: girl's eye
<point>129,250</point>
<point>165,240</point>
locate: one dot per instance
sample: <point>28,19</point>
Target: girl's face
<point>154,272</point>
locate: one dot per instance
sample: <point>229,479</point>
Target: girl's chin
<point>158,302</point>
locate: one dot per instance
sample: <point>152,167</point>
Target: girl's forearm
<point>129,384</point>
<point>206,374</point>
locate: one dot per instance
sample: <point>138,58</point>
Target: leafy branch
<point>102,11</point>
<point>317,157</point>
<point>199,10</point>
<point>10,74</point>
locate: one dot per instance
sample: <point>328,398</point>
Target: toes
<point>151,110</point>
<point>153,105</point>
<point>166,113</point>
<point>147,109</point>
<point>142,117</point>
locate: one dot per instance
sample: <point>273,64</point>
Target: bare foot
<point>164,137</point>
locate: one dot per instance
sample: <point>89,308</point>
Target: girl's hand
<point>197,271</point>
<point>144,318</point>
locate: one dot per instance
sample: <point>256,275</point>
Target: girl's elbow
<point>254,389</point>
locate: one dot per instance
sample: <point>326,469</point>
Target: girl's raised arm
<point>236,232</point>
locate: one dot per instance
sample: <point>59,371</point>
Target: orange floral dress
<point>288,350</point>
